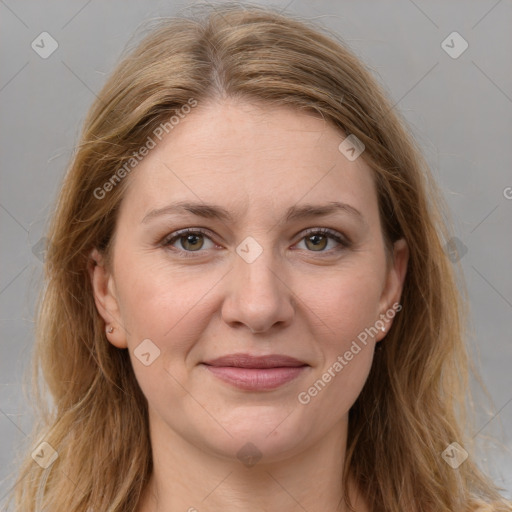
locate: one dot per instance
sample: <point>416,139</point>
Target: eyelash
<point>334,235</point>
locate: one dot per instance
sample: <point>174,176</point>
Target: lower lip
<point>256,379</point>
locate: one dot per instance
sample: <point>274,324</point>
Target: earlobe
<point>102,282</point>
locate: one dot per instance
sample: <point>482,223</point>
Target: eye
<point>188,240</point>
<point>317,239</point>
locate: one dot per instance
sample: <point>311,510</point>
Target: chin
<point>268,433</point>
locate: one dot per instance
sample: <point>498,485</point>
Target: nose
<point>258,295</point>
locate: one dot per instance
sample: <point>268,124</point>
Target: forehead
<point>249,157</point>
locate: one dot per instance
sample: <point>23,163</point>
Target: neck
<point>188,478</point>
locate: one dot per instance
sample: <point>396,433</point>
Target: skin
<point>296,298</point>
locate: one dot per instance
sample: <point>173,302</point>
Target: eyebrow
<point>211,211</point>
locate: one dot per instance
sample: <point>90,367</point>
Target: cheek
<point>347,303</point>
<point>337,386</point>
<point>169,306</point>
<point>345,347</point>
<point>156,298</point>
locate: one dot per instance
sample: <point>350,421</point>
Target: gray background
<point>460,110</point>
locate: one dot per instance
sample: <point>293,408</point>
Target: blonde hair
<point>413,403</point>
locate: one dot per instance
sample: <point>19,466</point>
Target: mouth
<point>256,373</point>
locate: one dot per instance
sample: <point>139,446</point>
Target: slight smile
<point>256,373</point>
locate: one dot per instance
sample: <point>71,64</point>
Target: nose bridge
<point>255,267</point>
<point>258,297</point>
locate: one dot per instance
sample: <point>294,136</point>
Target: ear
<point>105,298</point>
<point>395,279</point>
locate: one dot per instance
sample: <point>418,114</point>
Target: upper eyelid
<point>185,231</point>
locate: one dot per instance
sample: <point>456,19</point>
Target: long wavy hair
<point>90,407</point>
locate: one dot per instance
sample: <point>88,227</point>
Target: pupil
<point>191,239</point>
<point>317,240</point>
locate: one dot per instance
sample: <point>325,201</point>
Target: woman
<point>248,304</point>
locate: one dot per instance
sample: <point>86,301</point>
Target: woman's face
<point>258,280</point>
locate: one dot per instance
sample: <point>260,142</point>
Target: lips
<point>261,362</point>
<point>256,373</point>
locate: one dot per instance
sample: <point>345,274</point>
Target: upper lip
<point>249,361</point>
